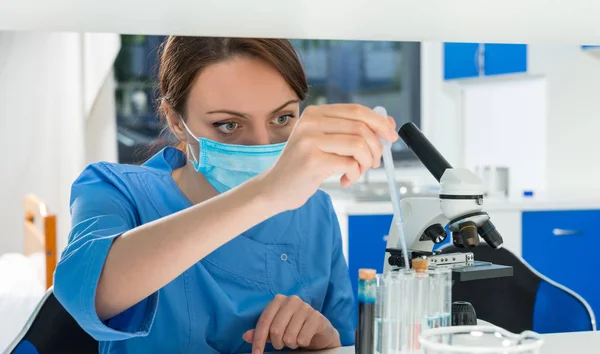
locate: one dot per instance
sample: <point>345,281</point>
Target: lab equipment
<point>479,340</point>
<point>409,302</point>
<point>458,207</point>
<point>440,300</point>
<point>366,311</point>
<point>390,171</point>
<point>463,314</point>
<point>226,166</point>
<point>277,256</point>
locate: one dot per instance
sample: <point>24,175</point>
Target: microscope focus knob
<point>463,314</point>
<point>436,233</point>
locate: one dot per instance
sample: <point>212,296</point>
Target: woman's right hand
<point>327,140</point>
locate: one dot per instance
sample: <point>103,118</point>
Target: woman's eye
<point>227,127</point>
<point>283,120</point>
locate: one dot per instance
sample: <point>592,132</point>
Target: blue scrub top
<point>207,308</point>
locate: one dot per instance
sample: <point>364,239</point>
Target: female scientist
<point>224,245</point>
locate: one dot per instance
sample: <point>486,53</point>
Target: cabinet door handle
<point>480,59</point>
<point>563,232</point>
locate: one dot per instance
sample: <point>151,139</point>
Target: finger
<point>290,338</point>
<point>347,145</point>
<point>335,164</point>
<point>313,325</point>
<point>329,125</point>
<point>249,336</point>
<point>291,305</point>
<point>375,121</point>
<point>264,324</point>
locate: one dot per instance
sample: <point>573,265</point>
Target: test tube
<point>366,310</point>
<point>421,295</point>
<point>434,307</point>
<point>390,304</point>
<point>379,314</point>
<point>444,276</point>
<point>407,311</point>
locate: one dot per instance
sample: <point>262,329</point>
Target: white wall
<point>43,127</point>
<point>573,113</point>
<point>573,78</point>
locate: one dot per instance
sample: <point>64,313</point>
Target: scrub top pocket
<point>283,270</point>
<point>241,257</point>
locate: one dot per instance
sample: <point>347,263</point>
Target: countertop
<point>349,205</point>
<point>560,343</point>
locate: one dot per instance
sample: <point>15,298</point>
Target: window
<point>371,73</point>
<point>374,74</point>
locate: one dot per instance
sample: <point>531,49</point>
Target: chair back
<point>51,329</point>
<point>526,301</point>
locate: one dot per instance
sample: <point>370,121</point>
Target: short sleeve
<point>100,212</point>
<point>339,300</point>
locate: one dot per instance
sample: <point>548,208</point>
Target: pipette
<point>388,164</point>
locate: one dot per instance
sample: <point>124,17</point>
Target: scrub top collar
<point>167,160</point>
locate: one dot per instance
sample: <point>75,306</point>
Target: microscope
<point>457,210</point>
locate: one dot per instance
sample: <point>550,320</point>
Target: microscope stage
<point>479,270</point>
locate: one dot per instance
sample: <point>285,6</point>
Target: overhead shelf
<point>593,50</point>
<point>506,21</point>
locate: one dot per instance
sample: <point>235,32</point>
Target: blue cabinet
<point>469,60</point>
<point>561,245</point>
<point>367,238</point>
<point>461,60</point>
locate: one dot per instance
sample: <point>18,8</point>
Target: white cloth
<point>20,292</point>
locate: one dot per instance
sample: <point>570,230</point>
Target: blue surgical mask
<point>226,166</point>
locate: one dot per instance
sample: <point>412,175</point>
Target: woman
<point>225,244</point>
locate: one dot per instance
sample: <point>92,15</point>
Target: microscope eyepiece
<point>490,234</point>
<point>424,150</point>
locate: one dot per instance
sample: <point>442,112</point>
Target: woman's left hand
<point>291,322</point>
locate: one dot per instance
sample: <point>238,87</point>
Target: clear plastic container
<point>479,340</point>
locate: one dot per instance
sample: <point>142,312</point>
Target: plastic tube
<point>390,170</point>
<point>421,298</point>
<point>444,276</point>
<point>390,301</point>
<point>366,310</point>
<point>378,328</point>
<point>407,314</point>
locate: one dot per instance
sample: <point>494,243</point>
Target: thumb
<point>249,336</point>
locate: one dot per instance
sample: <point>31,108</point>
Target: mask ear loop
<point>189,149</point>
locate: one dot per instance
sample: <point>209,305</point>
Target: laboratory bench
<point>548,233</point>
<point>560,343</point>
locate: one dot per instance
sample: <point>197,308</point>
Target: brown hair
<point>182,58</point>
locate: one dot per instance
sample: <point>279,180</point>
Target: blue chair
<point>526,301</point>
<point>51,329</point>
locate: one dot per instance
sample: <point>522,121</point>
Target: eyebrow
<point>242,115</point>
<point>284,105</point>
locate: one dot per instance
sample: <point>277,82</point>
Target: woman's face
<point>242,101</point>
